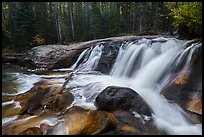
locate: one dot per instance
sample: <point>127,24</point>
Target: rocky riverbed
<point>94,101</point>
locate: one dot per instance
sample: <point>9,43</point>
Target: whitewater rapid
<point>146,68</point>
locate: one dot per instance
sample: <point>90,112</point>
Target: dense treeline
<point>27,24</point>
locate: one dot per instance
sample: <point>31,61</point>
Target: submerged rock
<point>26,123</point>
<point>84,121</point>
<point>115,98</point>
<point>10,109</point>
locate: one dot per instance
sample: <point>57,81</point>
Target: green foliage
<point>6,37</point>
<point>38,40</point>
<point>24,19</point>
<point>65,22</point>
<point>41,19</point>
<point>113,23</point>
<point>96,23</point>
<point>186,13</point>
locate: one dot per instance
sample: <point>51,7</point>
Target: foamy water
<point>143,66</point>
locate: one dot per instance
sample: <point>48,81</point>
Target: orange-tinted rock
<point>186,90</point>
<point>194,117</point>
<point>10,110</point>
<point>58,102</point>
<point>182,78</point>
<point>23,123</point>
<point>44,96</point>
<point>195,103</point>
<point>31,131</point>
<point>127,128</point>
<point>46,129</point>
<point>128,124</point>
<point>84,121</point>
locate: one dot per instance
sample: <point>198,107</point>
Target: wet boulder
<point>133,124</point>
<point>44,96</point>
<point>45,56</point>
<point>186,88</point>
<point>61,56</point>
<point>84,121</point>
<point>31,131</point>
<point>47,129</point>
<point>57,102</point>
<point>25,124</point>
<point>121,98</point>
<point>12,108</point>
<point>108,57</point>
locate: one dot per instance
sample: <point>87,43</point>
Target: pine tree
<point>41,20</point>
<point>24,20</point>
<point>96,21</point>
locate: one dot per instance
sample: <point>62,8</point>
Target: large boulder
<point>51,56</point>
<point>31,131</point>
<point>60,56</point>
<point>84,121</point>
<point>115,98</point>
<point>131,124</point>
<point>58,102</point>
<point>186,88</point>
<point>44,96</point>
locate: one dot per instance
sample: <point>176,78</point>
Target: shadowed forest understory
<point>28,24</point>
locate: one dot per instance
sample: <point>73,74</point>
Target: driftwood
<point>67,78</point>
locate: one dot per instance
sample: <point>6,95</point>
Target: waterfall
<point>145,81</point>
<point>145,66</point>
<point>89,59</point>
<point>80,58</point>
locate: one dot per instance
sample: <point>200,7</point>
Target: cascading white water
<point>145,67</point>
<point>89,62</point>
<point>79,58</point>
<point>127,59</point>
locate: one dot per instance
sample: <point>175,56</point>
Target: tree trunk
<point>141,16</point>
<point>71,18</point>
<point>59,28</point>
<point>156,16</point>
<point>56,23</point>
<point>86,11</point>
<point>133,17</point>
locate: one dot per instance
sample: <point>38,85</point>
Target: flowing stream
<point>145,66</point>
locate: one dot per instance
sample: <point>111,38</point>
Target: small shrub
<point>38,40</point>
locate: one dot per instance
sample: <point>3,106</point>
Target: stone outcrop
<point>186,89</point>
<point>84,121</point>
<point>115,98</point>
<point>60,56</point>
